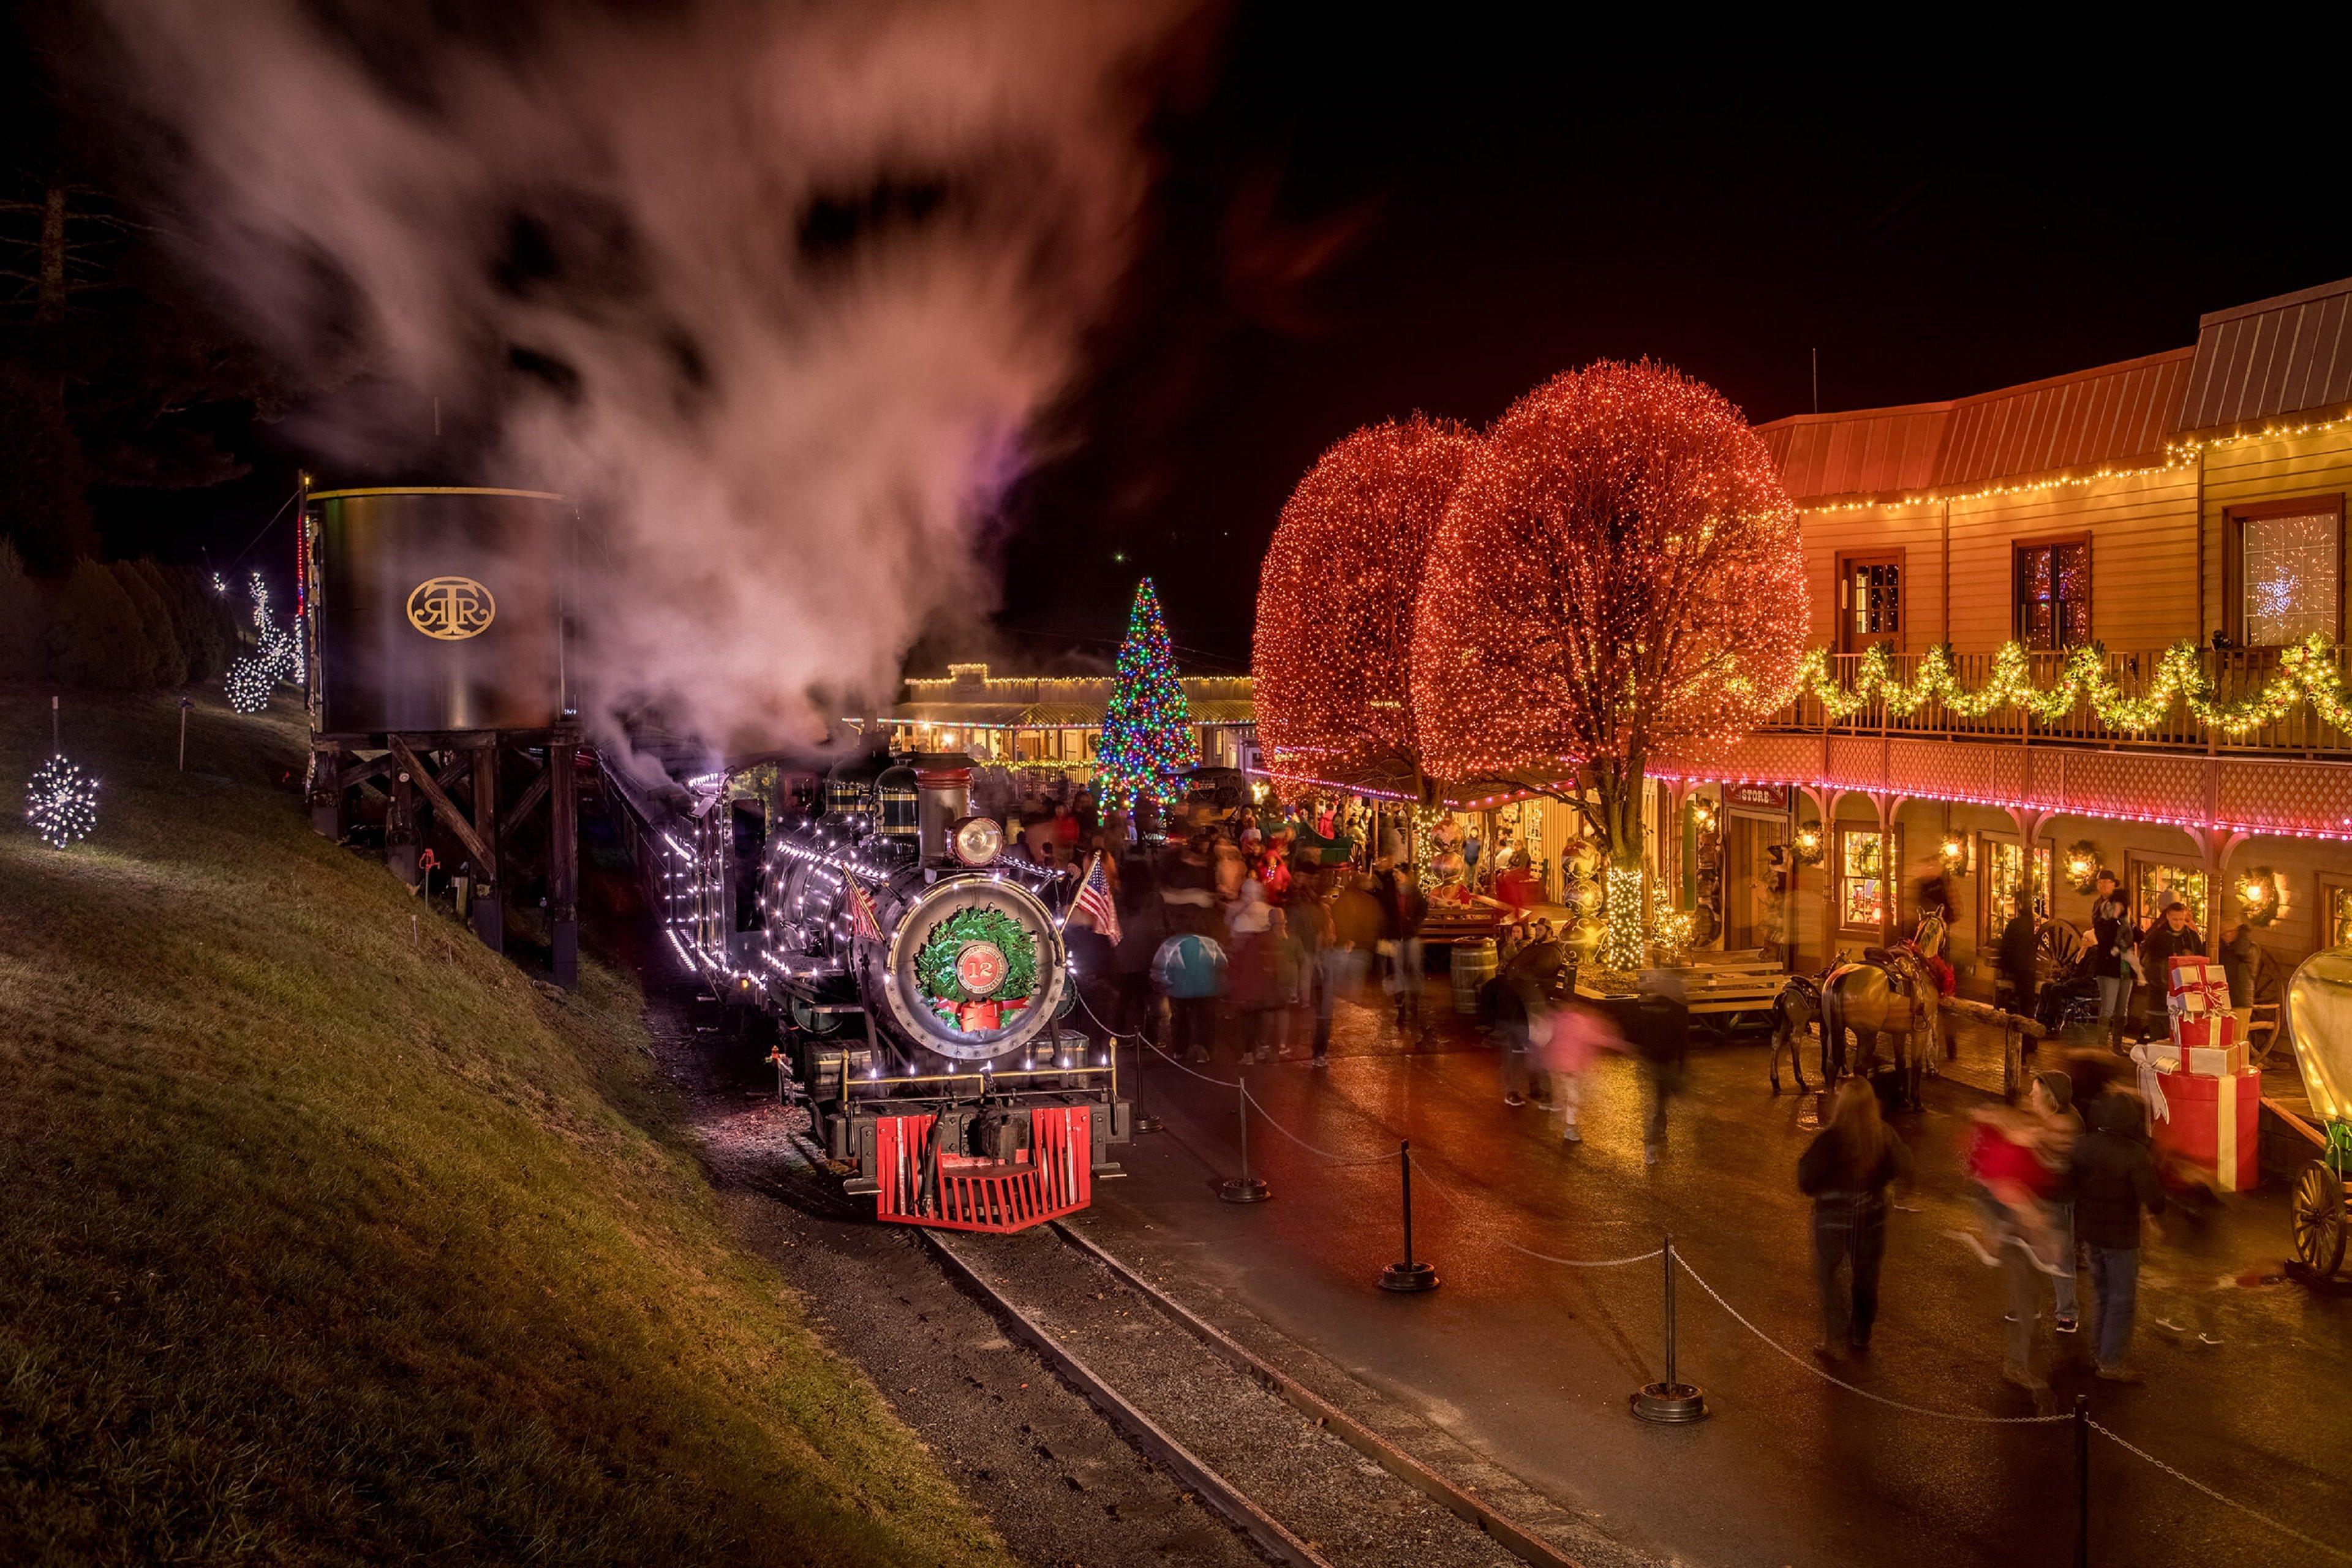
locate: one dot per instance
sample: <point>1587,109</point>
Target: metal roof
<point>2117,415</point>
<point>2111,415</point>
<point>1867,453</point>
<point>2275,358</point>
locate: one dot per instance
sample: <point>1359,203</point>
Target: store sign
<point>1757,797</point>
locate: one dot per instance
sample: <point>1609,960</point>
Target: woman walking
<point>1845,1171</point>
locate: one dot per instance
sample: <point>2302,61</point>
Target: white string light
<point>61,804</point>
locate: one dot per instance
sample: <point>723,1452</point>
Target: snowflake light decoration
<point>61,804</point>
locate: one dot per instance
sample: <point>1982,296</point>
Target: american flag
<point>862,917</point>
<point>1094,900</point>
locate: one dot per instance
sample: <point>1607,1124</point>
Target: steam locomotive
<point>915,976</point>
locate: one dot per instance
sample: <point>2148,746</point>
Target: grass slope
<point>321,1243</point>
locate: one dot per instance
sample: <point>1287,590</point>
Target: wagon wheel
<point>2319,1219</point>
<point>2055,942</point>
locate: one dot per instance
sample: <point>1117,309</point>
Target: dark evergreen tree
<point>95,638</point>
<point>23,617</point>
<point>167,662</point>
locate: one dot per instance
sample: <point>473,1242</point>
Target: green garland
<point>2307,670</point>
<point>935,960</point>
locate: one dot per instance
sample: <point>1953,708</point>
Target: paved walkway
<point>1531,1361</point>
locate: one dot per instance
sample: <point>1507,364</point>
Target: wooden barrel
<point>1473,965</point>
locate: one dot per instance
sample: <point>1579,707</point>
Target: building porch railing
<point>2232,675</point>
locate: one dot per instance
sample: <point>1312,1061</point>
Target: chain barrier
<point>2289,1531</point>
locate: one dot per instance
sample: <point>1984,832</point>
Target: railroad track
<point>1303,1482</point>
<point>1307,1483</point>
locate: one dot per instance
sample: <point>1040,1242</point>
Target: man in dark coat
<point>2114,1180</point>
<point>2017,956</point>
<point>2170,937</point>
<point>1657,1026</point>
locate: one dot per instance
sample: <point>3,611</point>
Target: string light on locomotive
<point>61,804</point>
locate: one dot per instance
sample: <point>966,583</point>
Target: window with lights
<point>2288,567</point>
<point>1868,863</point>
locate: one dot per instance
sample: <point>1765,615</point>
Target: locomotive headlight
<point>977,840</point>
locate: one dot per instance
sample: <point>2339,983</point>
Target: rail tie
<point>1214,1489</point>
<point>1517,1539</point>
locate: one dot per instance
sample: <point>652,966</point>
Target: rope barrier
<point>1741,1319</point>
<point>2288,1530</point>
<point>1462,1206</point>
<point>1968,1418</point>
<point>1188,1072</point>
<point>1312,1149</point>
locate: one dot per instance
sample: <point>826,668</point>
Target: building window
<point>2154,884</point>
<point>2339,914</point>
<point>2052,586</point>
<point>1870,601</point>
<point>2290,573</point>
<point>2005,876</point>
<point>1866,866</point>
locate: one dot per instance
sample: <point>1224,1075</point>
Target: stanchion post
<point>2082,1481</point>
<point>1672,1401</point>
<point>1407,1277</point>
<point>1243,1188</point>
<point>1142,1120</point>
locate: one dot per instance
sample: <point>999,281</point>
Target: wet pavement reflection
<point>1532,1362</point>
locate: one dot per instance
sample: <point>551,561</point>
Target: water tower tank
<point>439,609</point>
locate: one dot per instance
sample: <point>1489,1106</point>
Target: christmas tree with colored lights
<point>1147,738</point>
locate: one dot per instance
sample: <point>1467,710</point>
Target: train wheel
<point>2319,1220</point>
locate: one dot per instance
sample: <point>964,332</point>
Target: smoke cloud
<point>786,295</point>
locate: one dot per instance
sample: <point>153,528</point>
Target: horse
<point>1798,1006</point>
<point>1891,992</point>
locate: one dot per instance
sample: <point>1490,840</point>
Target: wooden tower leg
<point>564,858</point>
<point>489,909</point>
<point>326,793</point>
<point>400,834</point>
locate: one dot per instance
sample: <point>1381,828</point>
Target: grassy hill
<point>320,1242</point>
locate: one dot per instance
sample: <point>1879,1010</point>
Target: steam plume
<point>783,293</point>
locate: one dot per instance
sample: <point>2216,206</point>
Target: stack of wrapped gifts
<point>2212,1099</point>
<point>2204,1029</point>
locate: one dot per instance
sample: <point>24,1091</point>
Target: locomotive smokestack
<point>943,788</point>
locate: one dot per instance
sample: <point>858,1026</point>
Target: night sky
<point>1355,220</point>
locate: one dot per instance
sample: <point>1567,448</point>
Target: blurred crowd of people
<point>2122,961</point>
<point>1235,943</point>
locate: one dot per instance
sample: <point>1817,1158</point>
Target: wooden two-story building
<point>2194,496</point>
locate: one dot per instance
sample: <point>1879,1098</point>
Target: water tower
<point>436,624</point>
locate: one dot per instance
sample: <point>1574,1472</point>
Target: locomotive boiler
<point>915,974</point>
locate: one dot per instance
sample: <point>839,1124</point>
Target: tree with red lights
<point>1618,576</point>
<point>1336,601</point>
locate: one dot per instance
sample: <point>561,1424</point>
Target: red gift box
<point>2211,1031</point>
<point>2214,1124</point>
